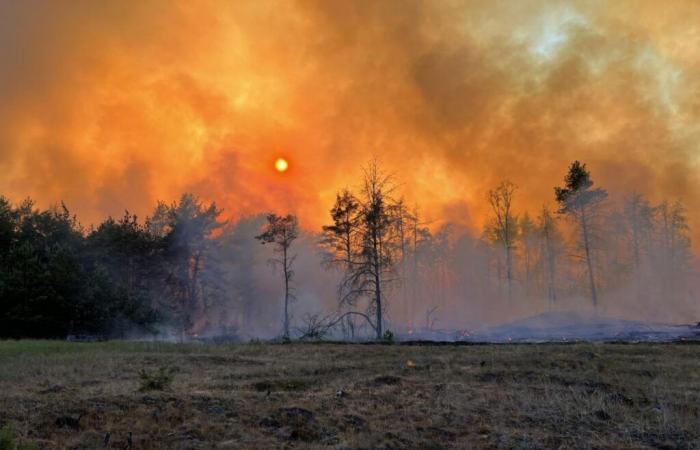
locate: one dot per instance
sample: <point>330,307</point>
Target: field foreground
<point>79,395</point>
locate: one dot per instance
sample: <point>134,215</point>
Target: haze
<point>113,105</point>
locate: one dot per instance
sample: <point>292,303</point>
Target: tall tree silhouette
<point>365,239</point>
<point>340,237</point>
<point>132,259</point>
<point>550,247</point>
<point>638,217</point>
<point>674,248</point>
<point>580,201</point>
<point>281,231</point>
<point>378,242</point>
<point>420,242</point>
<point>340,241</point>
<point>529,239</point>
<point>505,225</point>
<point>187,227</point>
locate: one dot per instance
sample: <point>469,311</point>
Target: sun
<point>281,165</point>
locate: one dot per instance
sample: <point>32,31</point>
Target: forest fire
<point>387,224</point>
<point>373,272</point>
<point>154,114</point>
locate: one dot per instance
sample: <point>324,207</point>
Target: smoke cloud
<point>109,105</point>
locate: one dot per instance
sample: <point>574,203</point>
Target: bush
<point>388,337</point>
<point>158,380</point>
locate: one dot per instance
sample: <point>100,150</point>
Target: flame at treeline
<point>111,105</point>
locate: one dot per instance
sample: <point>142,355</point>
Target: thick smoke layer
<point>109,105</point>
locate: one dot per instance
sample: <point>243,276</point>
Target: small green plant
<point>8,442</point>
<point>388,337</point>
<point>158,380</point>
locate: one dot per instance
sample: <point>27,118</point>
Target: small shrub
<point>158,380</point>
<point>388,337</point>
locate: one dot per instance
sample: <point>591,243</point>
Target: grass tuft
<point>158,380</point>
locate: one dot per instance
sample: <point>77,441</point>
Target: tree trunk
<point>378,300</point>
<point>509,271</point>
<point>551,291</point>
<point>377,284</point>
<point>589,262</point>
<point>286,295</point>
<point>414,281</point>
<point>637,257</point>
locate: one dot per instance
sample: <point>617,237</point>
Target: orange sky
<point>112,104</point>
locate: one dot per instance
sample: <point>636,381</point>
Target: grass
<point>157,380</point>
<point>8,440</point>
<point>81,395</point>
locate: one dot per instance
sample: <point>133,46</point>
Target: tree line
<point>638,254</point>
<point>376,266</point>
<point>57,278</point>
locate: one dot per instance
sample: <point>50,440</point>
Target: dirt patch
<point>353,422</point>
<point>296,424</point>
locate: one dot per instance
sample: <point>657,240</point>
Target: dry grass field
<point>261,396</point>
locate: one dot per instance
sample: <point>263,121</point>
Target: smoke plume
<point>109,105</point>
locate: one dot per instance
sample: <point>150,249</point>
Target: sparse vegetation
<point>157,380</point>
<point>353,396</point>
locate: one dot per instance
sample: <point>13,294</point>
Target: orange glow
<point>281,165</point>
<point>109,106</point>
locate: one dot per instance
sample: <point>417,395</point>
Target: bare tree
<point>505,226</point>
<point>401,223</point>
<point>378,241</point>
<point>581,202</point>
<point>364,239</point>
<point>282,231</point>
